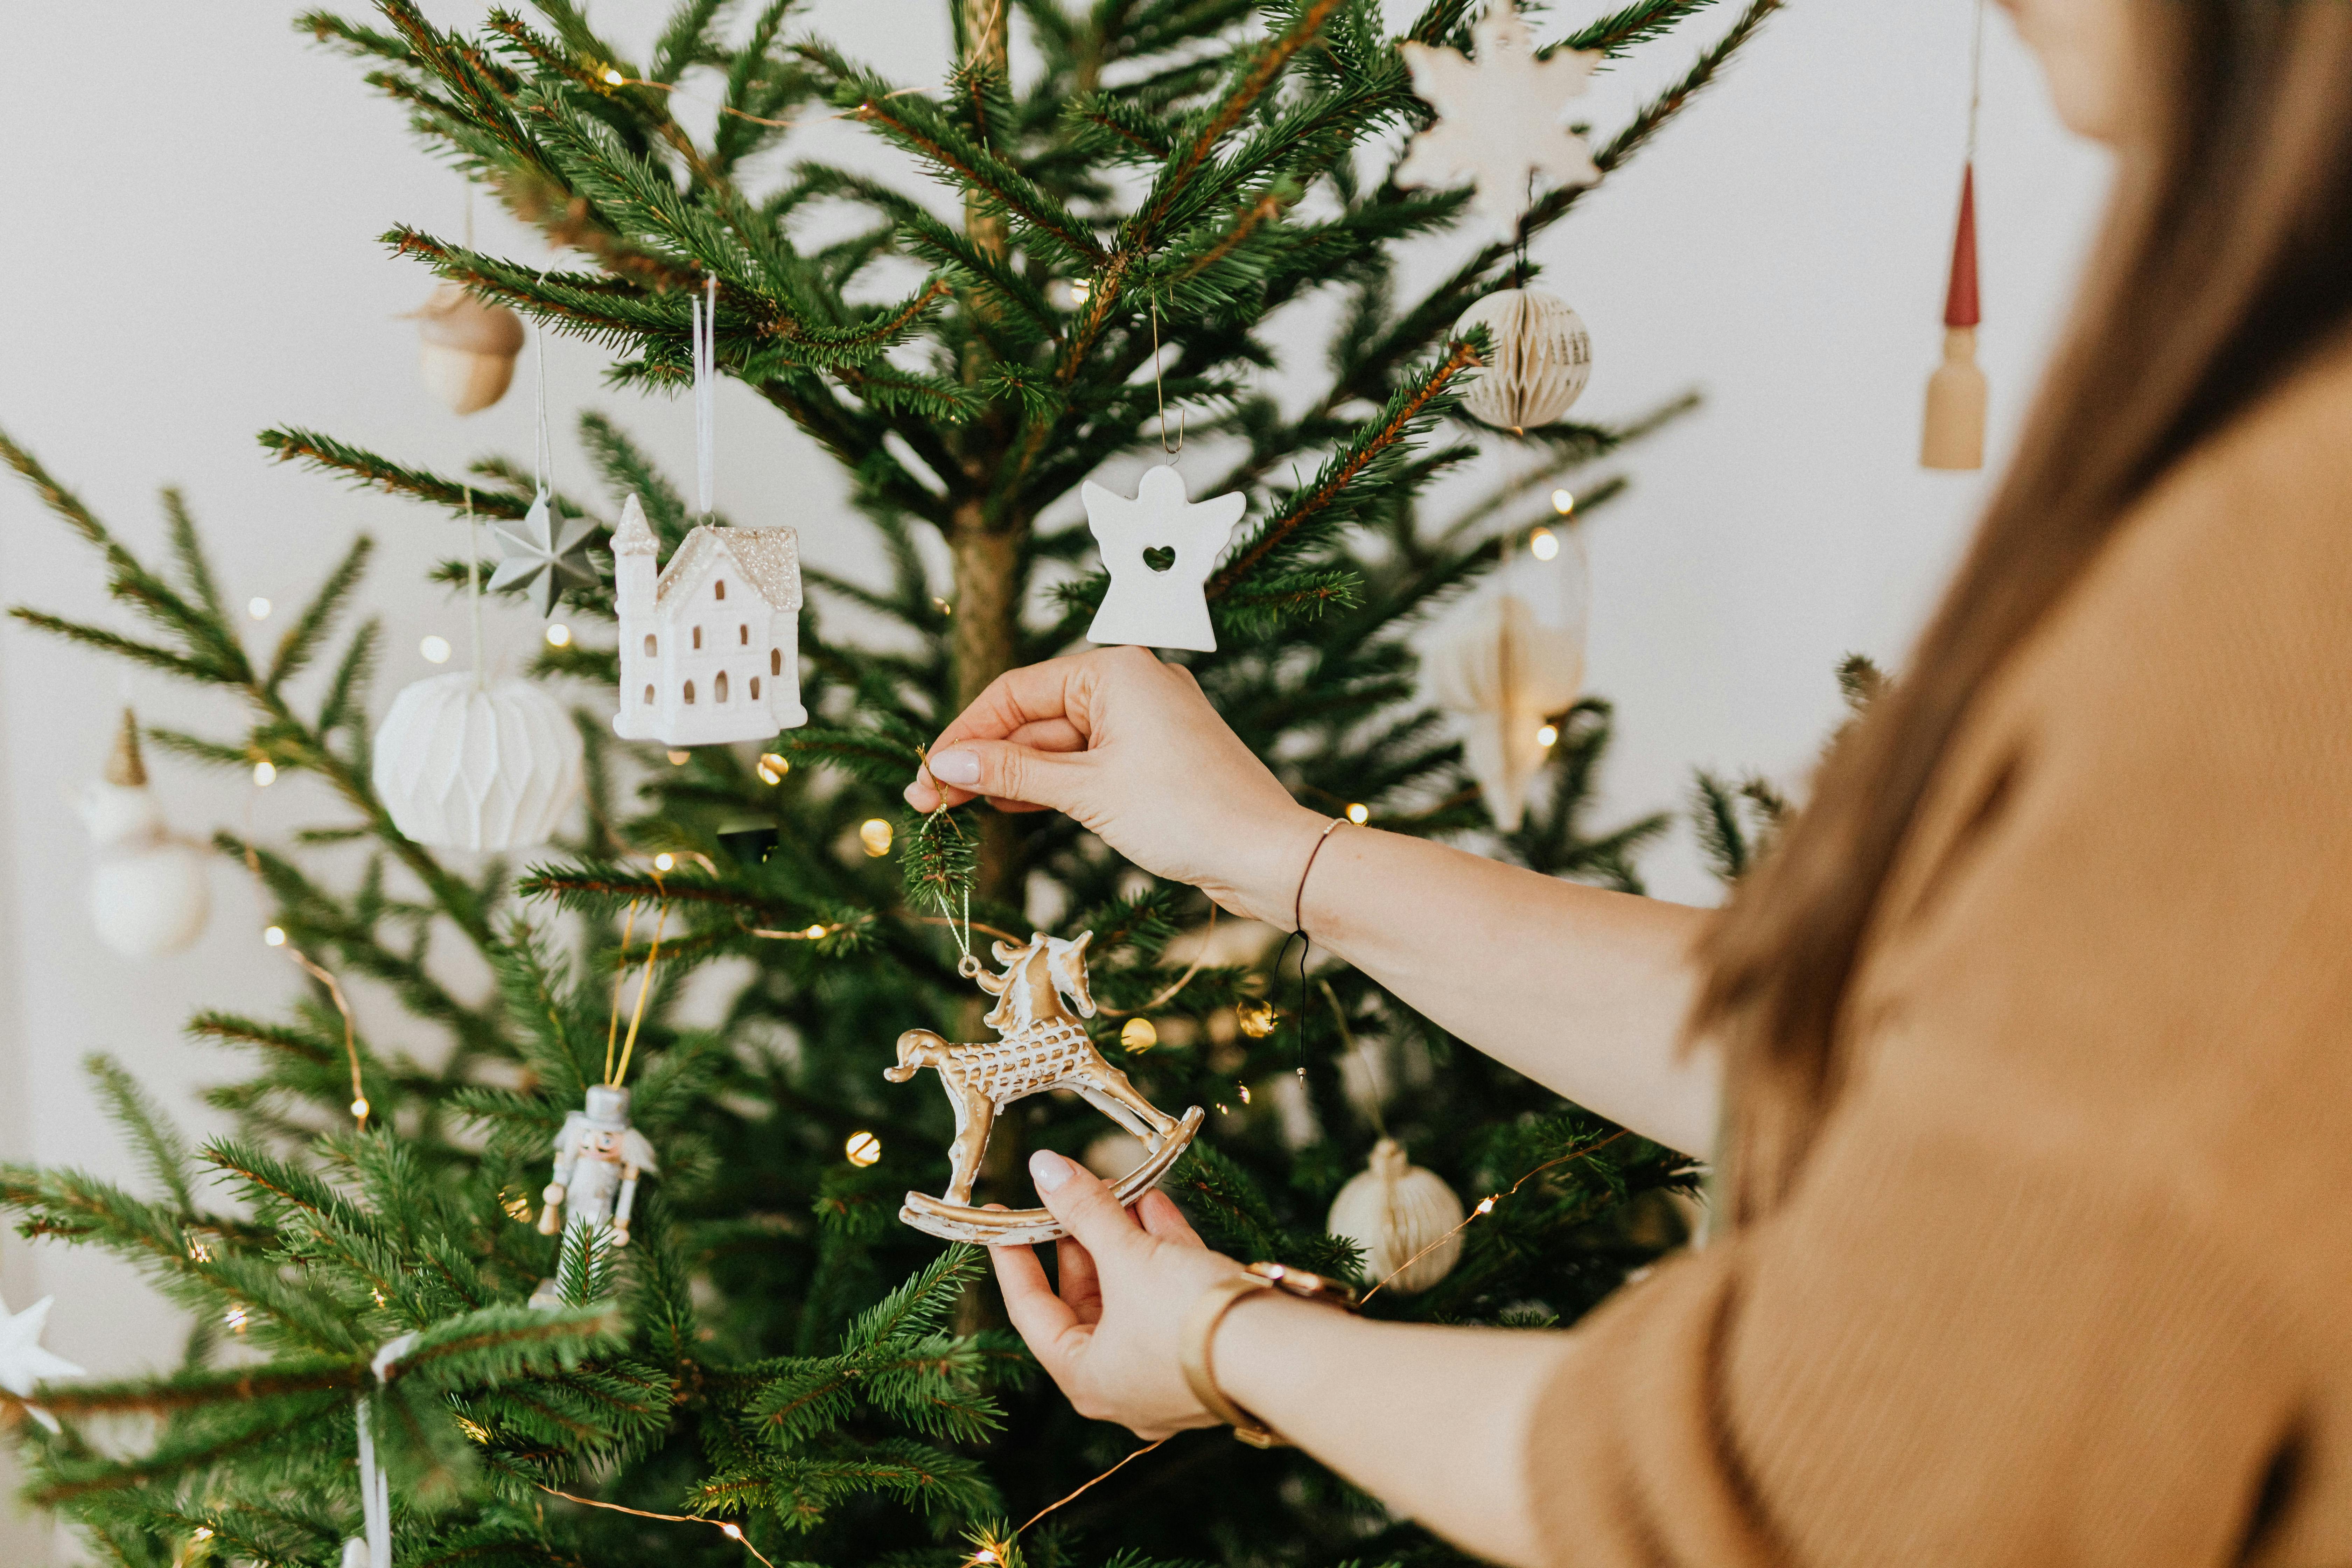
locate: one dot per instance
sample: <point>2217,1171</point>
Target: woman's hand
<point>1111,1339</point>
<point>1128,747</point>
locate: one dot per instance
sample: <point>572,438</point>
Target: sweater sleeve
<point>2058,1280</point>
<point>1939,1352</point>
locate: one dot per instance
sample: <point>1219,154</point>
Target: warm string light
<point>1139,1035</point>
<point>1563,503</point>
<point>559,635</point>
<point>1200,957</point>
<point>772,768</point>
<point>276,937</point>
<point>1359,813</point>
<point>265,773</point>
<point>1548,736</point>
<point>680,759</point>
<point>874,832</point>
<point>733,1532</point>
<point>1543,545</point>
<point>258,607</point>
<point>435,649</point>
<point>863,1149</point>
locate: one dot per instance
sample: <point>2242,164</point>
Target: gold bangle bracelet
<point>1209,1308</point>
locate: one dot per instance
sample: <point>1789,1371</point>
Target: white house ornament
<point>148,892</point>
<point>1405,1218</point>
<point>465,766</point>
<point>544,554</point>
<point>1040,1046</point>
<point>467,348</point>
<point>1539,360</point>
<point>710,650</point>
<point>1159,549</point>
<point>598,1159</point>
<point>1501,117</point>
<point>24,1362</point>
<point>1506,666</point>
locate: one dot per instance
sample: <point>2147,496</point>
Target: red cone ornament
<point>1953,438</point>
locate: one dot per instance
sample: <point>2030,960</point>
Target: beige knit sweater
<point>2065,1274</point>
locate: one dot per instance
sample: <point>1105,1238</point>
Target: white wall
<point>194,193</point>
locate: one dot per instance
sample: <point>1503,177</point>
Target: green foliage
<point>1126,215</point>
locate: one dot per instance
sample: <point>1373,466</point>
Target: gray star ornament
<point>543,555</point>
<point>1500,117</point>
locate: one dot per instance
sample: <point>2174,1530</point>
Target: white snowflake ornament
<point>1159,549</point>
<point>22,1362</point>
<point>1500,117</point>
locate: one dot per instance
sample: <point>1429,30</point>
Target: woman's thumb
<point>1003,771</point>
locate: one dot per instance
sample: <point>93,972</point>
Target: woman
<point>2032,1037</point>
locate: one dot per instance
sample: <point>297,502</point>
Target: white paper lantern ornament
<point>1539,360</point>
<point>1405,1218</point>
<point>1507,665</point>
<point>148,892</point>
<point>464,765</point>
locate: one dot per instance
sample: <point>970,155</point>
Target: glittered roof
<point>767,558</point>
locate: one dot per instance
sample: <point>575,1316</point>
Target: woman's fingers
<point>1044,1320</point>
<point>1164,1220</point>
<point>1003,771</point>
<point>1080,1286</point>
<point>1087,1208</point>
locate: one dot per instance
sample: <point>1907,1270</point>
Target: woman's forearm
<point>1583,990</point>
<point>1392,1407</point>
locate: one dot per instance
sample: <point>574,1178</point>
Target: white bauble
<point>1512,660</point>
<point>466,349</point>
<point>1404,1218</point>
<point>148,893</point>
<point>1541,360</point>
<point>152,903</point>
<point>467,767</point>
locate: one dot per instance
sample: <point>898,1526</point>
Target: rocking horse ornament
<point>1041,1047</point>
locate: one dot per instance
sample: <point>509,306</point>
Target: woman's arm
<point>1583,990</point>
<point>1416,1434</point>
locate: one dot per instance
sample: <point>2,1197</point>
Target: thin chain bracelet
<point>1299,899</point>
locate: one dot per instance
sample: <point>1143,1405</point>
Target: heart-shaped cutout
<point>1160,557</point>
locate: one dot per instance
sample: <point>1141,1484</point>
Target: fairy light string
<point>727,1528</point>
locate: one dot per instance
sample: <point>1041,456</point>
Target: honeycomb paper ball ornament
<point>466,349</point>
<point>1404,1218</point>
<point>462,766</point>
<point>1540,358</point>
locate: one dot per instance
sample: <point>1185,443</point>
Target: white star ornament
<point>1159,549</point>
<point>23,1364</point>
<point>1500,118</point>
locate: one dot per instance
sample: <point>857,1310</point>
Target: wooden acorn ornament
<point>1953,435</point>
<point>1405,1218</point>
<point>1040,1046</point>
<point>466,349</point>
<point>148,894</point>
<point>1539,363</point>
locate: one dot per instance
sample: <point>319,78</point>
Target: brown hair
<point>2227,262</point>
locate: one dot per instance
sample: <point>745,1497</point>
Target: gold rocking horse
<point>1042,1047</point>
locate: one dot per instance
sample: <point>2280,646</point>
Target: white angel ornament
<point>1159,549</point>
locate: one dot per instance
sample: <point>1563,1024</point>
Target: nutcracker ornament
<point>598,1159</point>
<point>1040,1046</point>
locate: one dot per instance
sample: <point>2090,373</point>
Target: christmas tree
<point>774,1368</point>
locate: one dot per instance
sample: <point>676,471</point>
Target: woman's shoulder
<point>2125,912</point>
